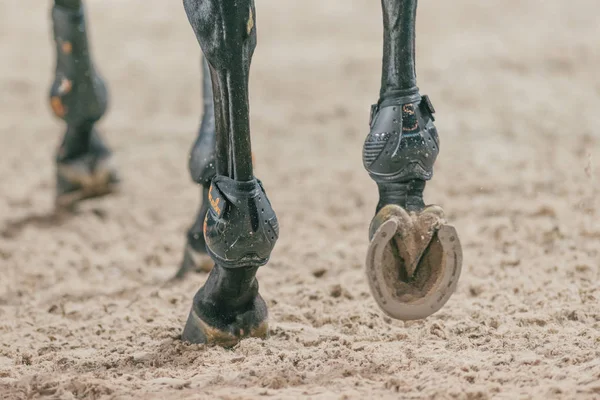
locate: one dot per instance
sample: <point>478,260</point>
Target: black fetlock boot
<point>78,96</point>
<point>240,230</point>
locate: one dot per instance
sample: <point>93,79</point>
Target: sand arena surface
<point>83,313</point>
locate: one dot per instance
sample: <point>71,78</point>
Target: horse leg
<point>414,258</point>
<point>240,227</point>
<point>202,170</point>
<point>79,97</point>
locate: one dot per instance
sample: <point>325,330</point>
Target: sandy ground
<point>83,313</point>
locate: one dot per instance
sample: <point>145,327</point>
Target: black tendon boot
<point>414,259</point>
<point>79,97</point>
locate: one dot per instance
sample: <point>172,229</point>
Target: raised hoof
<point>84,178</point>
<point>251,323</point>
<point>413,263</point>
<point>193,261</point>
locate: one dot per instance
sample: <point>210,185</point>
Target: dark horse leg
<point>78,96</point>
<point>414,259</point>
<point>240,227</point>
<point>202,166</point>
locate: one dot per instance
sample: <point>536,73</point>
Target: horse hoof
<point>193,261</point>
<point>84,178</point>
<point>251,323</point>
<point>413,262</point>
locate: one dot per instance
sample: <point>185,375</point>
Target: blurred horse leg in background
<point>79,96</point>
